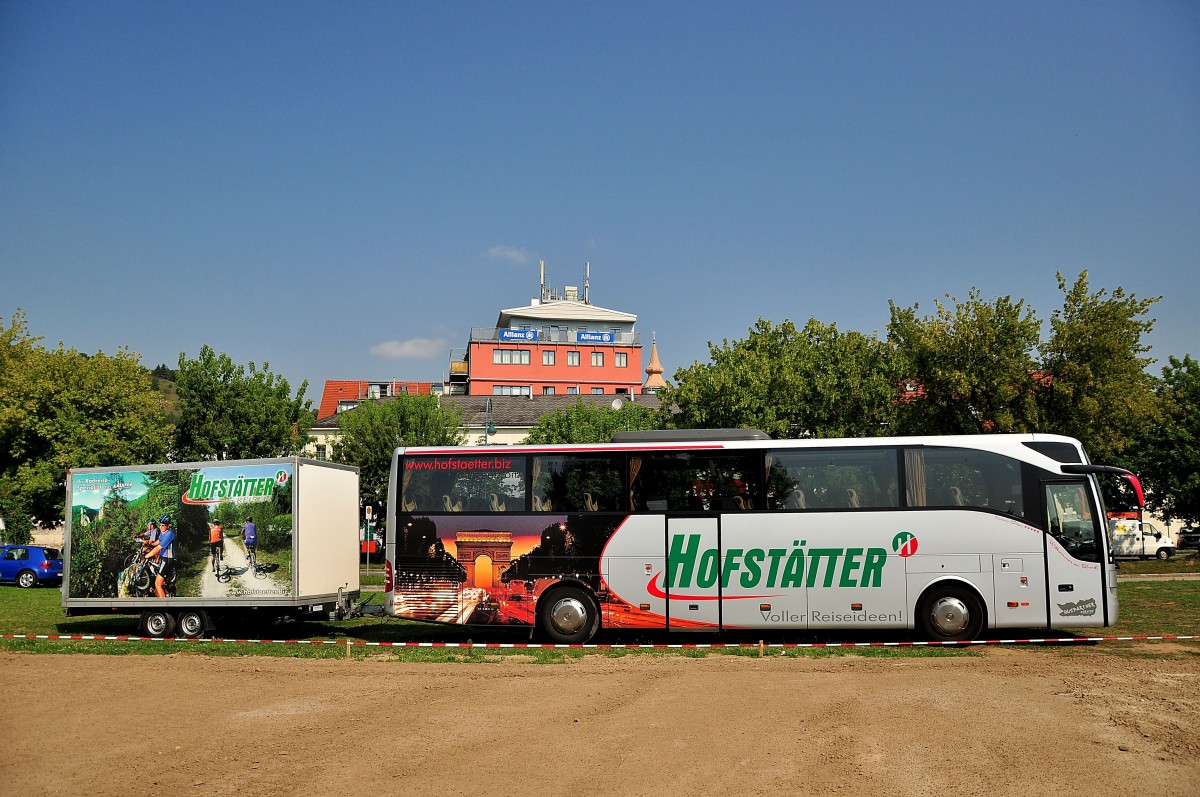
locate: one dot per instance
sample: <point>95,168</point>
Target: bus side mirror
<point>1136,484</point>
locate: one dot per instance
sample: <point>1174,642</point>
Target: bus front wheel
<point>569,616</point>
<point>951,613</point>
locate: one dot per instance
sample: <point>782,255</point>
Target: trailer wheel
<point>191,624</point>
<point>158,623</point>
<point>950,612</point>
<point>1164,553</point>
<point>569,616</point>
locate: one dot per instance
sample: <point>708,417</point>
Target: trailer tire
<point>192,624</point>
<point>158,623</point>
<point>568,615</point>
<point>950,612</point>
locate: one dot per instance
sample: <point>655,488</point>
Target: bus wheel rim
<point>950,616</point>
<point>568,615</point>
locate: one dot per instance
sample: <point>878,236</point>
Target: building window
<point>547,390</point>
<point>598,391</point>
<point>510,356</point>
<point>320,451</point>
<point>598,359</point>
<point>512,390</point>
<point>571,391</point>
<point>621,359</point>
<point>572,358</point>
<point>548,357</point>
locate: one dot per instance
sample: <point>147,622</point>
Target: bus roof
<point>1031,447</point>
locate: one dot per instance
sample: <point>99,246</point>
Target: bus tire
<point>191,624</point>
<point>158,623</point>
<point>951,612</point>
<point>568,616</point>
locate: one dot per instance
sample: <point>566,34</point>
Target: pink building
<point>560,344</point>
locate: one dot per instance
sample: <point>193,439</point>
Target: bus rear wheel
<point>569,616</point>
<point>950,613</point>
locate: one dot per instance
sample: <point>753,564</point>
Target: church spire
<point>654,381</point>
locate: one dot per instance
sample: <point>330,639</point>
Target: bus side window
<point>961,477</point>
<point>577,483</point>
<point>695,482</point>
<point>463,483</point>
<point>846,478</point>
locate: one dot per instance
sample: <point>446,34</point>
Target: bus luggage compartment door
<point>757,591</point>
<point>693,577</point>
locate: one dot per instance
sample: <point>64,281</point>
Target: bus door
<point>693,580</point>
<point>1074,557</point>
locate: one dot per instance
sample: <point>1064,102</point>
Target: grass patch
<point>1156,608</point>
<point>1148,608</point>
<point>1185,563</point>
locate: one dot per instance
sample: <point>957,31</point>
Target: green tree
<point>227,412</point>
<point>1167,454</point>
<point>789,382</point>
<point>972,364</point>
<point>587,423</point>
<point>373,430</point>
<point>61,409</point>
<point>16,347</point>
<point>1099,390</point>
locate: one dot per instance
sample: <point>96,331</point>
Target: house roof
<point>337,390</point>
<point>564,310</point>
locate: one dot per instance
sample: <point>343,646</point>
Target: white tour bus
<point>704,530</point>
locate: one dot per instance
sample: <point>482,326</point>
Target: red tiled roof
<point>337,390</point>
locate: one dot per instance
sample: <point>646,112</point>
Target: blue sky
<point>343,190</point>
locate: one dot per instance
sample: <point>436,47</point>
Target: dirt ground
<point>1008,721</point>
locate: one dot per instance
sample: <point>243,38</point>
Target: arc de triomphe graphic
<point>496,545</point>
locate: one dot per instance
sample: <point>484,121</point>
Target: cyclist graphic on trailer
<point>216,538</point>
<point>250,535</point>
<point>162,556</point>
<point>148,535</point>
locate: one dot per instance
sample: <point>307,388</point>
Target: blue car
<point>30,565</point>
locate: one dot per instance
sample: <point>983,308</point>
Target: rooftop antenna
<point>542,265</point>
<point>587,271</point>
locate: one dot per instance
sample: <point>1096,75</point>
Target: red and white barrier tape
<point>659,646</point>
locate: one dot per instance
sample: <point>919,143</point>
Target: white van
<point>1140,539</point>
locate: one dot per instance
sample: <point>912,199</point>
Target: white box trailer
<point>304,563</point>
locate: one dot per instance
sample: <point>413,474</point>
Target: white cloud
<point>415,349</point>
<point>509,253</point>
